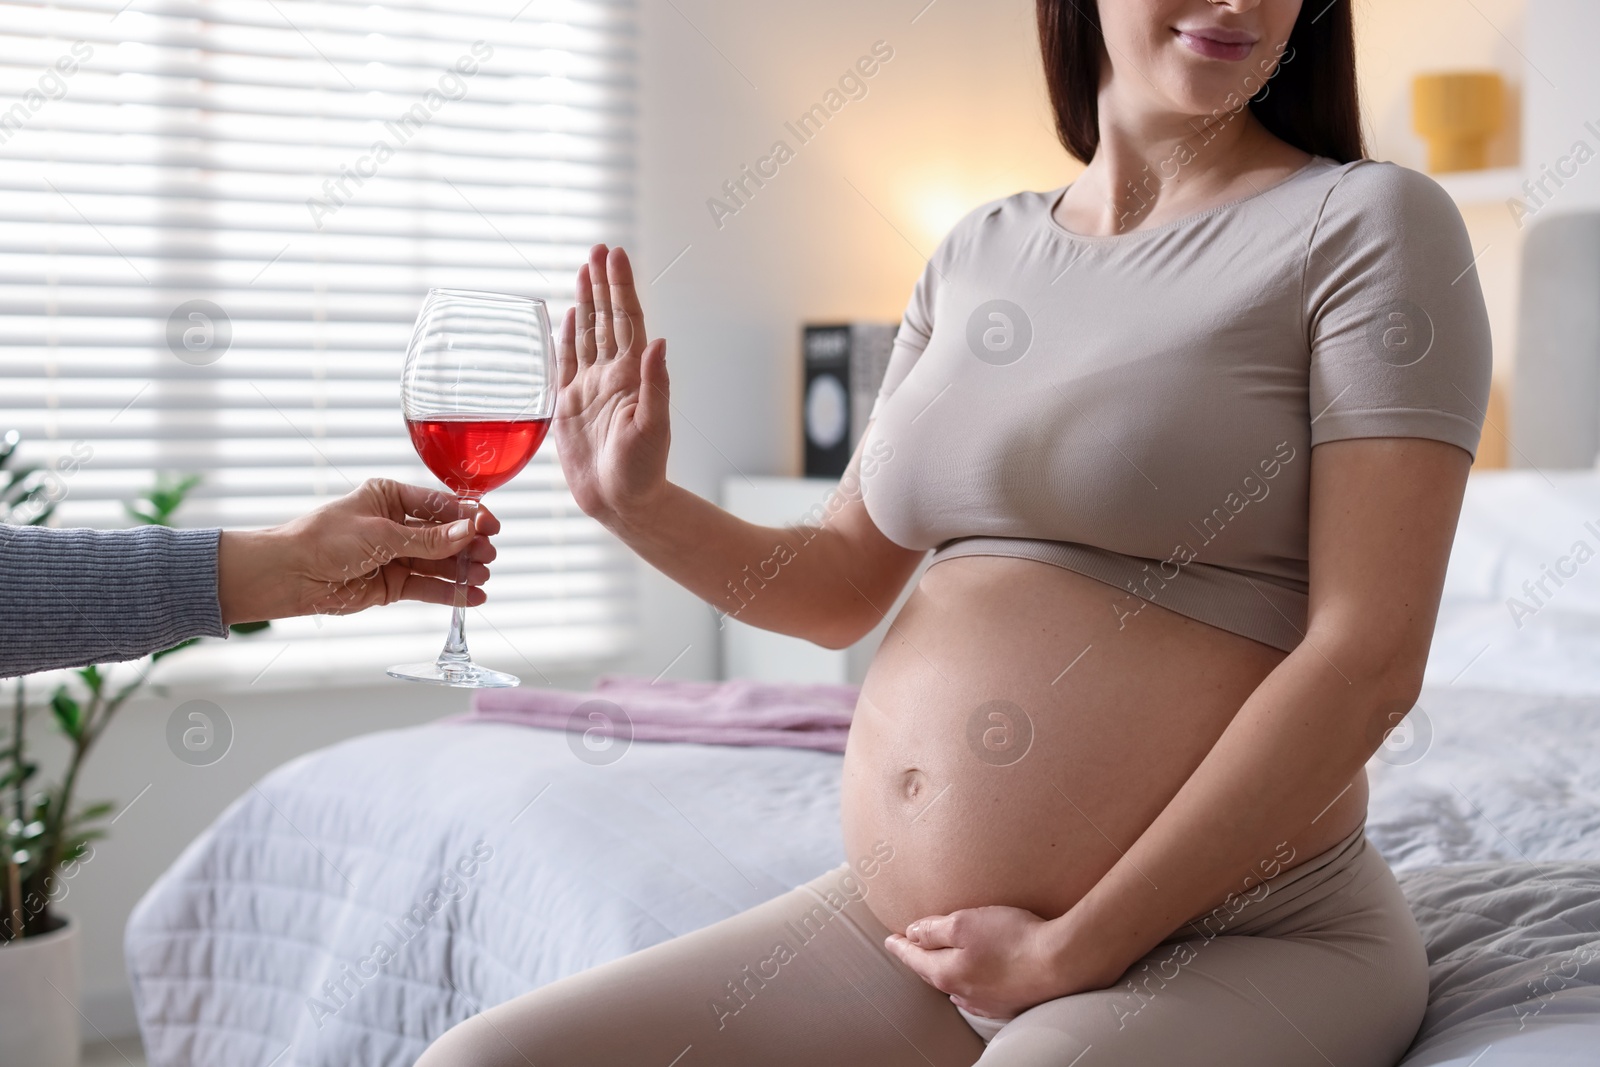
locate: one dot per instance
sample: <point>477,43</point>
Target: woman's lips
<point>1221,44</point>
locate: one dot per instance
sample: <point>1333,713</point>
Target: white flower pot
<point>39,1000</point>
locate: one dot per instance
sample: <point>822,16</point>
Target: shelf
<point>1494,186</point>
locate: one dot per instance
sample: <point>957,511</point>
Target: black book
<point>843,368</point>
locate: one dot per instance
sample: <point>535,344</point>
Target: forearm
<point>802,580</point>
<point>1287,757</point>
<point>71,597</point>
<point>256,576</point>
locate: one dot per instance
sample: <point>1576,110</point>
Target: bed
<point>249,950</point>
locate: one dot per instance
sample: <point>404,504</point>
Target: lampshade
<point>1457,113</point>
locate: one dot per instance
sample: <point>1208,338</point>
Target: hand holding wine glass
<point>612,424</point>
<point>479,390</point>
<point>384,542</point>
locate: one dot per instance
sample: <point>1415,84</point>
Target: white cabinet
<point>748,652</point>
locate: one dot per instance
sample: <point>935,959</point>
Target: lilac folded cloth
<point>709,713</point>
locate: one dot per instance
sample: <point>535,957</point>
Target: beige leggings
<point>1320,965</point>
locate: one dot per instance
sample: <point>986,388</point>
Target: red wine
<point>473,456</point>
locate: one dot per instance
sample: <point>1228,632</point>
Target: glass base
<point>462,676</point>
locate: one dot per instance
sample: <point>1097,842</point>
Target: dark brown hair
<point>1309,103</point>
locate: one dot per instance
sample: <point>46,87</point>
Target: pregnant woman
<point>1187,440</point>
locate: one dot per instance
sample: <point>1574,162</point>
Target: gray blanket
<point>1514,963</point>
<point>1514,943</point>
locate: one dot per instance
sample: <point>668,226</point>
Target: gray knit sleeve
<point>71,597</point>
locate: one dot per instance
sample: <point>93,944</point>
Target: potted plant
<point>45,836</point>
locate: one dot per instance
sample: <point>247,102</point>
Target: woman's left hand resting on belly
<point>1383,515</point>
<point>993,961</point>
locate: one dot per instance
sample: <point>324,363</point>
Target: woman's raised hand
<point>612,427</point>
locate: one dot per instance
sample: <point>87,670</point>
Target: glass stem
<point>455,659</point>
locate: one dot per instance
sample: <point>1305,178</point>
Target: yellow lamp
<point>1457,113</point>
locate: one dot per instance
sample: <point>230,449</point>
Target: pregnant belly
<point>1012,739</point>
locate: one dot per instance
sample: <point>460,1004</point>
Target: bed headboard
<point>1555,395</point>
<point>1555,401</point>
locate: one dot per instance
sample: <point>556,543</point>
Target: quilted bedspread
<point>485,859</point>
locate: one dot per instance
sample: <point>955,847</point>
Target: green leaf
<point>72,847</point>
<point>98,810</point>
<point>24,490</point>
<point>156,505</point>
<point>179,647</point>
<point>18,476</point>
<point>115,702</point>
<point>91,677</point>
<point>67,712</point>
<point>249,627</point>
<point>27,765</point>
<point>39,808</point>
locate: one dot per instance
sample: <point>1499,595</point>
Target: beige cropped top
<point>1141,408</point>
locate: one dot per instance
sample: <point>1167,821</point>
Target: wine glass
<point>478,390</point>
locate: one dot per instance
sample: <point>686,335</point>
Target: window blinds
<point>218,220</point>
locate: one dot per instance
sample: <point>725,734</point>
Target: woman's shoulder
<point>1000,219</point>
<point>1396,233</point>
<point>1372,198</point>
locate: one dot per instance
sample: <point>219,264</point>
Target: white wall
<point>1564,97</point>
<point>955,118</point>
<point>1398,39</point>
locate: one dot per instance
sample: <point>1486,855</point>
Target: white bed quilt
<point>231,952</point>
<point>490,860</point>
